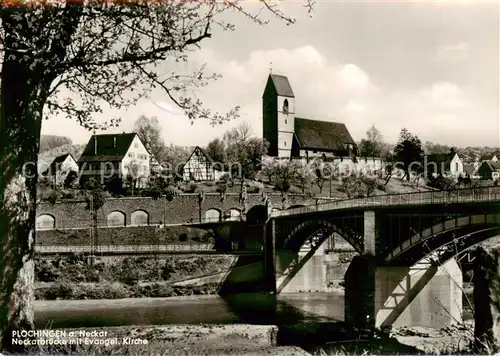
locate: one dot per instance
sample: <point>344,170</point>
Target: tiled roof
<point>494,166</point>
<point>489,156</point>
<point>282,85</point>
<point>323,135</point>
<point>107,150</point>
<point>470,169</point>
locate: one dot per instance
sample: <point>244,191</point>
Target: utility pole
<point>91,231</point>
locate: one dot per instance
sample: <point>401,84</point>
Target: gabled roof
<point>471,169</point>
<point>282,85</point>
<point>57,162</point>
<point>493,166</point>
<point>110,147</point>
<point>322,135</point>
<point>489,156</point>
<point>204,153</point>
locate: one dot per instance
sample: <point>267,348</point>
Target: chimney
<point>95,145</point>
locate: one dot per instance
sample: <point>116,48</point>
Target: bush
<point>191,188</point>
<point>253,190</point>
<point>46,271</point>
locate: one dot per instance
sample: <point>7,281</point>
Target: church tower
<point>278,116</point>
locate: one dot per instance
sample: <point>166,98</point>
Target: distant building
<point>61,166</point>
<point>201,167</point>
<point>447,164</point>
<point>489,170</point>
<point>472,170</point>
<point>491,157</point>
<point>290,136</point>
<point>117,155</point>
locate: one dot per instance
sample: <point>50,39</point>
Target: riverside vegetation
<point>70,277</point>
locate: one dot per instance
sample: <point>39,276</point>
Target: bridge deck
<point>466,195</point>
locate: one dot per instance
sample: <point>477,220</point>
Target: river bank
<point>71,278</point>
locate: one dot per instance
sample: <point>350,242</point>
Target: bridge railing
<point>54,249</point>
<point>464,195</point>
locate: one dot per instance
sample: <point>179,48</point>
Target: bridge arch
<point>116,218</point>
<point>232,214</point>
<point>139,217</point>
<point>256,214</point>
<point>45,222</point>
<point>213,214</point>
<point>463,232</point>
<point>311,227</point>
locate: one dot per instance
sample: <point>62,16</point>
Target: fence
<point>465,195</point>
<point>117,249</point>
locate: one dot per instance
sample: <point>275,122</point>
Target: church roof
<point>322,135</point>
<point>282,85</point>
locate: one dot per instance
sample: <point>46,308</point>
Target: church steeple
<point>278,115</point>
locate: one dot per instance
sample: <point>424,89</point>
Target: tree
<point>238,134</point>
<point>217,150</point>
<point>408,151</point>
<point>323,171</point>
<point>49,142</point>
<point>304,175</point>
<point>372,145</point>
<point>149,131</point>
<point>103,54</point>
<point>285,171</point>
<point>244,157</point>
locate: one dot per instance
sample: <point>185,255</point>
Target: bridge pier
<point>270,256</point>
<point>420,295</point>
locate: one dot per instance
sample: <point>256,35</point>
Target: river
<point>289,308</point>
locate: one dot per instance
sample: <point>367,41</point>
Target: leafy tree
<point>372,145</point>
<point>436,148</point>
<point>149,131</point>
<point>408,151</point>
<point>73,58</point>
<point>217,150</point>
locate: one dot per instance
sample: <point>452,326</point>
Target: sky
<point>429,66</point>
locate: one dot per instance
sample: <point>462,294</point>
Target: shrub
<point>183,237</point>
<point>191,188</point>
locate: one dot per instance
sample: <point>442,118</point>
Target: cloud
<point>325,89</point>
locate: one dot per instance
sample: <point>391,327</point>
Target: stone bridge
<point>408,274</point>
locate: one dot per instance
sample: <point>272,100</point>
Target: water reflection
<point>253,308</point>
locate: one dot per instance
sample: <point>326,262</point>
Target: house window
<point>456,166</point>
<point>136,145</point>
<point>285,107</point>
<point>131,155</point>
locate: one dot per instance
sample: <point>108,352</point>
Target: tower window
<point>285,121</point>
<point>285,143</point>
<point>285,106</point>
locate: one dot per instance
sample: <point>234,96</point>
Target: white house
<point>119,155</point>
<point>60,167</point>
<point>447,164</point>
<point>201,167</point>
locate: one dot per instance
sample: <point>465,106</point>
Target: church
<point>293,137</point>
